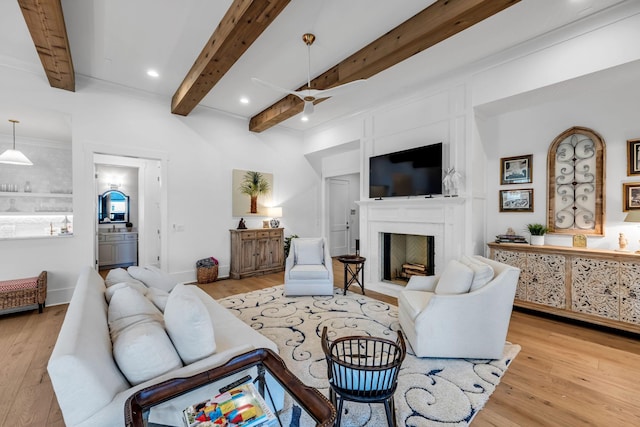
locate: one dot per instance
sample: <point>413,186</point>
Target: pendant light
<point>13,156</point>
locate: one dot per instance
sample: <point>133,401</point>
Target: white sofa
<point>308,268</point>
<point>464,313</point>
<point>90,388</point>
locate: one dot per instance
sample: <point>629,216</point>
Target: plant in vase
<point>537,232</point>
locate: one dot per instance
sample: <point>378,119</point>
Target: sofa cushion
<point>153,277</point>
<point>158,297</point>
<point>119,275</point>
<point>455,279</point>
<point>308,272</point>
<point>413,302</point>
<point>482,273</point>
<point>144,351</point>
<point>108,293</point>
<point>309,251</point>
<point>129,307</point>
<point>189,325</point>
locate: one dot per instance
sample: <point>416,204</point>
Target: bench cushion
<point>18,284</point>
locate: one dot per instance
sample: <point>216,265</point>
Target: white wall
<point>199,152</point>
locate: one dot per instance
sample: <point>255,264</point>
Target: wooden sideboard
<point>591,285</point>
<point>256,251</point>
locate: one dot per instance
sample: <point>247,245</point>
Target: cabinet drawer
<point>275,233</point>
<point>113,238</point>
<point>248,235</point>
<point>131,237</point>
<point>262,234</point>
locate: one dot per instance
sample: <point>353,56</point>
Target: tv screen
<point>413,172</point>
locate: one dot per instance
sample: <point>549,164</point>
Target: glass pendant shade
<point>13,156</point>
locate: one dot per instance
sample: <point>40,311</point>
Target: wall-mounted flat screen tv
<point>413,172</point>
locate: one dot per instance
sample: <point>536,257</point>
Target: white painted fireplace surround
<point>441,217</point>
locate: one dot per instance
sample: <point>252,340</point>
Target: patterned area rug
<point>431,392</point>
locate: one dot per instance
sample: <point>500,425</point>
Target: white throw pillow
<point>189,325</point>
<point>108,293</point>
<point>482,273</point>
<point>153,277</point>
<point>158,297</point>
<point>144,351</point>
<point>309,251</point>
<point>119,275</point>
<point>129,307</point>
<point>455,279</point>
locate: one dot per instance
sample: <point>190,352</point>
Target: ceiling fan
<point>308,95</point>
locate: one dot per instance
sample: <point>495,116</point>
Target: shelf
<point>59,213</point>
<point>23,194</point>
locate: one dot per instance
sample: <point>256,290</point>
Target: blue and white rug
<point>431,392</point>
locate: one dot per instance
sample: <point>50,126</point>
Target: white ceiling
<point>119,40</point>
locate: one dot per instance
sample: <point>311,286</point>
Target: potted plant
<point>537,232</point>
<point>129,226</point>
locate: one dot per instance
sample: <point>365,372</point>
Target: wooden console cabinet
<point>591,285</point>
<point>256,251</point>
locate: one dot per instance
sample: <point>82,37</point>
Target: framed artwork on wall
<point>630,196</point>
<point>633,157</point>
<point>516,200</point>
<point>251,193</point>
<point>516,170</point>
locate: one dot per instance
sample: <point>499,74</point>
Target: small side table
<point>353,265</point>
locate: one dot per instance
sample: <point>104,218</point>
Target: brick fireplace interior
<point>405,255</point>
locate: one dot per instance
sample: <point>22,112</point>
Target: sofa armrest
<point>422,283</point>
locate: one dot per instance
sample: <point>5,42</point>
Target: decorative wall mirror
<point>113,206</point>
<point>576,183</point>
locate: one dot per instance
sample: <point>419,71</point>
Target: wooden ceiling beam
<point>45,21</point>
<point>240,27</point>
<point>436,23</point>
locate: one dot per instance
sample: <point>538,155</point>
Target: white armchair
<point>308,268</point>
<point>464,313</point>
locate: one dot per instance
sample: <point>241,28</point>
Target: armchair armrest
<point>423,283</point>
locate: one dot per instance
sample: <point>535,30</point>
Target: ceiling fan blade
<point>276,88</point>
<point>308,108</point>
<point>339,89</point>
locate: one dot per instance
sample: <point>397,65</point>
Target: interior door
<point>338,216</point>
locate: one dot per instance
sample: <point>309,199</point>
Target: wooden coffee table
<point>353,265</point>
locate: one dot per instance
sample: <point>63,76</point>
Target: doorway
<point>343,213</point>
<point>139,181</point>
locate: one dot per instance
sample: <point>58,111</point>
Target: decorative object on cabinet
<point>129,226</point>
<point>591,285</point>
<point>242,225</point>
<point>113,206</point>
<point>633,216</point>
<point>276,214</point>
<point>537,232</point>
<point>630,196</point>
<point>251,193</point>
<point>516,200</point>
<point>622,243</point>
<point>579,241</point>
<point>516,170</point>
<point>256,251</point>
<point>633,157</point>
<point>575,182</point>
<point>13,156</point>
<point>265,223</point>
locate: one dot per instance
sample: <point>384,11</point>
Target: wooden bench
<point>23,294</point>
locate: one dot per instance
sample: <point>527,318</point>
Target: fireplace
<point>443,220</point>
<point>406,255</point>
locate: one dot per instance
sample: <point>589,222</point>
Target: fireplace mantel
<point>441,217</point>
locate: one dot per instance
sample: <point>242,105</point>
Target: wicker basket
<point>207,274</point>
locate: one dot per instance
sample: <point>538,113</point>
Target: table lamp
<point>633,216</point>
<point>275,213</point>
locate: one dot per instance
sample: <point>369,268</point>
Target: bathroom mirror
<point>113,206</point>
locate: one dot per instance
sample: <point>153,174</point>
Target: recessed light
<point>244,100</point>
<point>304,118</point>
<point>153,73</point>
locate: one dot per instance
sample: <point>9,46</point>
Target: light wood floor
<point>565,375</point>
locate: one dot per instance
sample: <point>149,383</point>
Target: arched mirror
<point>113,206</point>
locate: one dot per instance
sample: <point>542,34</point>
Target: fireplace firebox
<point>406,255</point>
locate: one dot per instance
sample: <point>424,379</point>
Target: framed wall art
<point>516,170</point>
<point>633,157</point>
<point>630,196</point>
<point>251,193</point>
<point>516,200</point>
